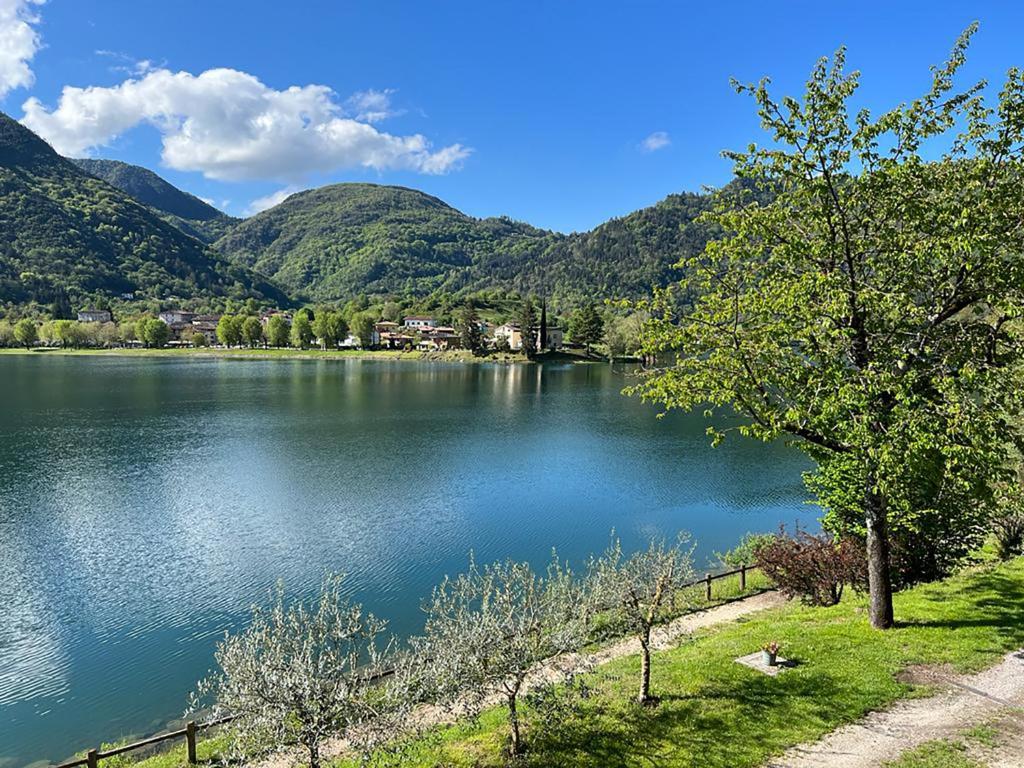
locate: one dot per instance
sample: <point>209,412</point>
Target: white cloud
<point>230,126</point>
<point>19,42</point>
<point>654,142</point>
<point>269,201</point>
<point>372,106</point>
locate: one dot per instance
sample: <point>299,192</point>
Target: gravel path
<point>964,701</point>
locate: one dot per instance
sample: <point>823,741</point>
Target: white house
<point>513,336</point>
<point>174,316</point>
<point>419,321</point>
<point>94,316</point>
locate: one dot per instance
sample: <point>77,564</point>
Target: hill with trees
<point>344,240</point>
<point>68,238</point>
<point>185,211</point>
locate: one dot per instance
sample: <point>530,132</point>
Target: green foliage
<point>152,332</point>
<point>470,333</point>
<point>330,327</point>
<point>586,326</point>
<point>198,340</point>
<point>229,330</point>
<point>362,326</point>
<point>252,331</point>
<point>277,331</point>
<point>302,330</point>
<point>180,209</point>
<point>865,303</point>
<point>69,238</point>
<point>26,333</point>
<point>744,553</point>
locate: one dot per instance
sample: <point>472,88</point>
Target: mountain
<point>187,212</point>
<point>342,240</point>
<point>345,239</point>
<point>65,234</point>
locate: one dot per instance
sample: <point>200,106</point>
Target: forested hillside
<point>187,212</point>
<point>69,238</point>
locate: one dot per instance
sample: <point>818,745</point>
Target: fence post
<point>190,741</point>
<point>92,758</point>
<point>707,578</point>
<point>743,578</point>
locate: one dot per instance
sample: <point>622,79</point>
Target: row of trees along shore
<point>617,332</point>
<point>304,672</point>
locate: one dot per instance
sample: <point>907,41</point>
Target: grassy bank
<point>717,713</point>
<point>453,356</point>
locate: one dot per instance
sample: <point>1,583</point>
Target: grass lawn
<point>719,714</point>
<point>456,356</point>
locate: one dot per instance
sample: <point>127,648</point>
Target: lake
<point>146,503</point>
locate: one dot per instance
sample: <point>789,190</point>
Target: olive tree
<point>302,672</point>
<point>862,297</point>
<point>639,587</point>
<point>487,628</point>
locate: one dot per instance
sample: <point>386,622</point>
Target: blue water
<point>146,503</point>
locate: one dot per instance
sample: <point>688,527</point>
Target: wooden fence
<point>191,729</point>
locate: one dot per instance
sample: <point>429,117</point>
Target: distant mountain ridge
<point>68,236</point>
<point>185,211</point>
<point>101,227</point>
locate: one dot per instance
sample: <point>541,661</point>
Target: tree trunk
<point>513,721</point>
<point>879,576</point>
<point>645,666</point>
<point>314,754</point>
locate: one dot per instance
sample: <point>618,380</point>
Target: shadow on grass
<point>997,598</point>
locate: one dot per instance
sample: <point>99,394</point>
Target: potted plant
<point>769,653</point>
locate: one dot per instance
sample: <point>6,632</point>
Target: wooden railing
<point>191,729</point>
<point>189,732</point>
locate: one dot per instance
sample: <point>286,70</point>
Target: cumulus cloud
<point>269,201</point>
<point>230,126</point>
<point>654,142</point>
<point>19,42</point>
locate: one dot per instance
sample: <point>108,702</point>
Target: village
<point>416,332</point>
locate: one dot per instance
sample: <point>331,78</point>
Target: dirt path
<point>663,637</point>
<point>964,701</point>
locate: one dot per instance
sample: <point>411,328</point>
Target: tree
<point>277,331</point>
<point>586,326</point>
<point>861,297</point>
<point>302,330</point>
<point>469,329</point>
<point>639,587</point>
<point>527,329</point>
<point>26,333</point>
<point>488,627</point>
<point>304,672</point>
<point>152,332</point>
<point>229,330</point>
<point>542,336</point>
<point>252,331</point>
<point>362,326</point>
<point>330,327</point>
<point>623,334</point>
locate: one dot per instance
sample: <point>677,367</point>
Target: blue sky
<point>562,114</point>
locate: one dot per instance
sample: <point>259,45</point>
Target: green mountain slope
<point>346,239</point>
<point>187,212</point>
<point>67,234</point>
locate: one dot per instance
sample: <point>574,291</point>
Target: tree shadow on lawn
<point>1000,607</point>
<point>737,721</point>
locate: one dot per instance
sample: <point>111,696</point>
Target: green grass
<point>937,754</point>
<point>719,714</point>
<point>458,356</point>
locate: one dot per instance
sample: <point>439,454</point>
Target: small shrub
<point>813,568</point>
<point>1008,530</point>
<point>744,553</point>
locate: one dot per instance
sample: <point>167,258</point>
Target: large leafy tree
<point>867,305</point>
<point>586,326</point>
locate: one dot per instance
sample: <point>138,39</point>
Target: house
<point>439,337</point>
<point>419,322</point>
<point>173,316</point>
<point>286,316</point>
<point>396,340</point>
<point>381,328</point>
<point>94,316</point>
<point>512,335</point>
<point>206,325</point>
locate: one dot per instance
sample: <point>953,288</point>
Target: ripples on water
<point>146,504</point>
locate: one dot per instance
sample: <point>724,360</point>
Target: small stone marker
<point>755,661</point>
